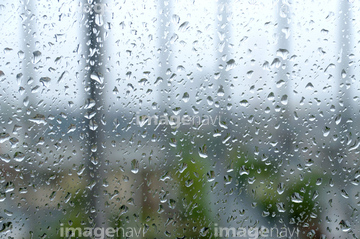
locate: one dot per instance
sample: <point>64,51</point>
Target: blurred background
<point>280,77</point>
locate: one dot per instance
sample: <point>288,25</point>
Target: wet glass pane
<point>179,119</point>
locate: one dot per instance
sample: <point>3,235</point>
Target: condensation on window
<point>179,119</point>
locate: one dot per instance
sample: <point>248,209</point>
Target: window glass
<point>179,119</point>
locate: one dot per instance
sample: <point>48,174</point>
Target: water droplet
<point>37,57</point>
<point>338,119</point>
<point>243,170</point>
<point>39,119</point>
<point>5,157</point>
<point>271,96</point>
<point>99,19</point>
<point>134,166</point>
<point>13,142</point>
<point>175,19</point>
<point>315,195</point>
<point>176,110</point>
<point>6,227</point>
<point>89,103</point>
<point>319,181</point>
<point>309,86</point>
<point>189,183</point>
<point>280,207</point>
<point>202,151</point>
<point>9,187</point>
<point>52,196</point>
<point>345,225</point>
<point>283,53</point>
<point>227,179</point>
<point>21,54</point>
<point>71,128</point>
<point>184,26</point>
<point>244,103</point>
<point>281,188</point>
<point>172,203</point>
<point>343,74</point>
<point>284,100</point>
<point>186,97</point>
<point>326,131</point>
<point>204,231</point>
<point>344,193</point>
<point>280,83</point>
<point>221,91</point>
<point>165,176</point>
<point>276,63</point>
<point>93,125</point>
<point>297,198</point>
<point>45,81</point>
<point>123,209</point>
<point>4,137</point>
<point>249,74</point>
<point>230,64</point>
<point>182,168</point>
<point>97,77</point>
<point>324,32</point>
<point>266,65</point>
<point>210,176</point>
<point>81,169</point>
<point>309,162</point>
